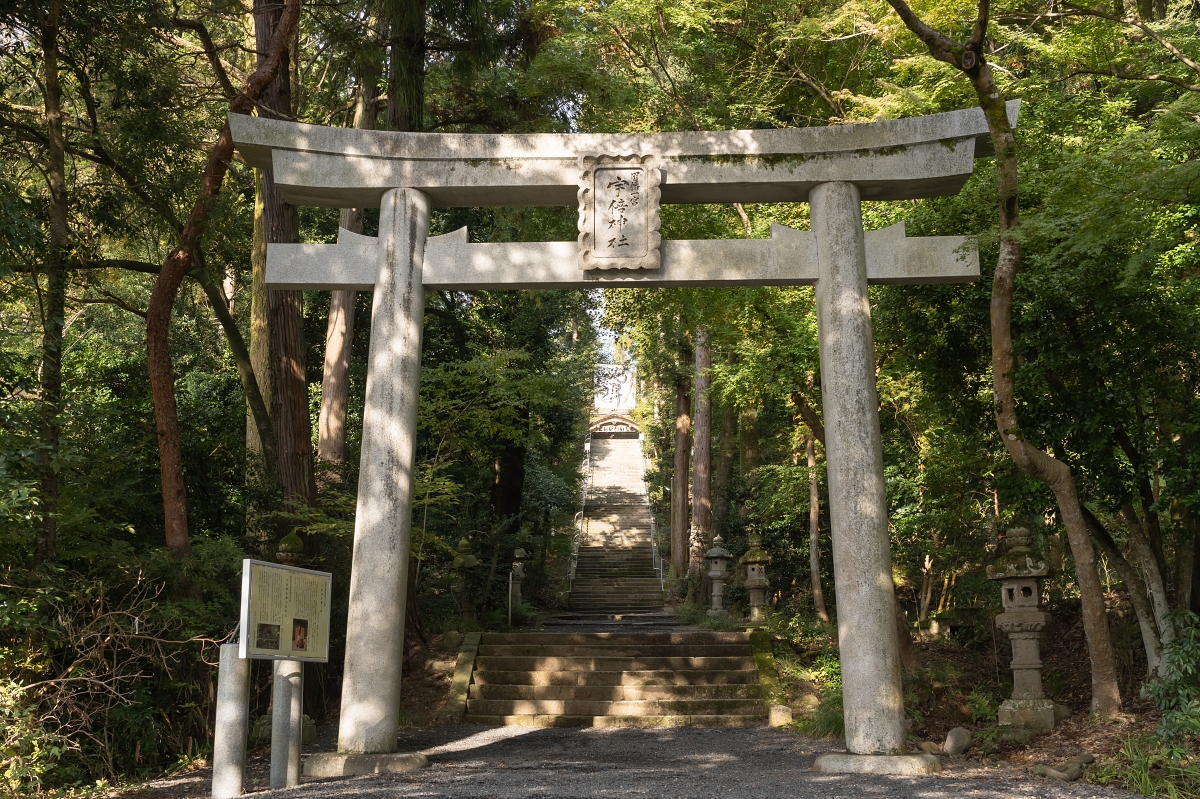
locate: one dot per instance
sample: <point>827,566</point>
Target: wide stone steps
<point>630,650</point>
<point>615,679</point>
<point>554,720</point>
<point>566,663</point>
<point>617,693</point>
<point>584,707</point>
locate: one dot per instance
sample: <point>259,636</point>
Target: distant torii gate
<point>618,181</point>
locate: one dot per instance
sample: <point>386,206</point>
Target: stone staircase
<point>615,679</point>
<point>615,571</point>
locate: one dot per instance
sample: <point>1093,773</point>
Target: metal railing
<point>655,553</point>
<point>579,516</point>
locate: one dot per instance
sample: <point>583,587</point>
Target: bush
<point>1147,766</point>
<point>28,751</point>
<point>1177,694</point>
<point>982,706</point>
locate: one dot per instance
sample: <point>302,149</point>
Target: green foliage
<point>982,706</point>
<point>1148,767</point>
<point>1177,693</point>
<point>28,751</point>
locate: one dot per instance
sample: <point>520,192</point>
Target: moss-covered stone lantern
<point>755,560</point>
<point>1019,572</point>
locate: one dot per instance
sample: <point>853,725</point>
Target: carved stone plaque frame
<point>623,233</point>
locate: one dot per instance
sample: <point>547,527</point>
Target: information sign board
<point>285,612</point>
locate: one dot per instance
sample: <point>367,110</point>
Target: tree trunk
<point>1137,593</point>
<point>177,265</point>
<point>285,309</point>
<point>1154,584</point>
<point>701,532</point>
<point>339,333</point>
<point>748,432</point>
<point>260,416</point>
<point>814,529</point>
<point>1185,563</point>
<point>926,590</point>
<point>723,473</point>
<point>970,58</point>
<point>406,75</point>
<point>260,468</point>
<point>679,479</point>
<point>54,309</point>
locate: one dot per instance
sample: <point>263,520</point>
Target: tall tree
<point>177,265</point>
<point>701,452</point>
<point>970,59</point>
<point>54,308</point>
<point>285,309</point>
<point>679,480</point>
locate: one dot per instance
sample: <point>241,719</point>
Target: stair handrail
<point>579,516</point>
<point>655,552</point>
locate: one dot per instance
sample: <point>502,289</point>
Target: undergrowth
<point>1145,765</point>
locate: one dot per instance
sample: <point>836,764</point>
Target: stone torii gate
<point>618,181</point>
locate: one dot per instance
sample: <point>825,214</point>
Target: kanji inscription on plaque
<point>619,212</point>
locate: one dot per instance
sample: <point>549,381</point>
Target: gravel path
<point>471,762</point>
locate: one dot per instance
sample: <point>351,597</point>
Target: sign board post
<point>284,618</point>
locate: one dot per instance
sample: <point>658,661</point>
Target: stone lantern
<point>1019,572</point>
<point>518,572</point>
<point>755,561</point>
<point>291,550</point>
<point>717,557</point>
<point>464,560</point>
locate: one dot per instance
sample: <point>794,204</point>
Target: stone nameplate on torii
<point>834,169</point>
<point>619,212</point>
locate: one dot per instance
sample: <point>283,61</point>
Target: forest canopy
<point>164,415</point>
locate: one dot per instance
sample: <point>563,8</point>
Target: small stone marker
<point>958,740</point>
<point>619,212</point>
<point>780,715</point>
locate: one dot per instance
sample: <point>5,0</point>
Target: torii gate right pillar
<point>862,560</point>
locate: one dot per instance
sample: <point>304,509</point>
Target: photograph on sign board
<point>299,635</point>
<point>268,636</point>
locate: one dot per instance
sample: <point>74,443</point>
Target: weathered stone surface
<point>339,764</point>
<point>379,570</point>
<point>346,168</point>
<point>929,747</point>
<point>232,724</point>
<point>903,765</point>
<point>958,740</point>
<point>862,558</point>
<point>1034,715</point>
<point>788,258</point>
<point>451,640</point>
<point>460,684</point>
<point>287,723</point>
<point>779,716</point>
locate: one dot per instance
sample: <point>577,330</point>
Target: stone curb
<point>339,764</point>
<point>903,765</point>
<point>768,675</point>
<point>456,704</point>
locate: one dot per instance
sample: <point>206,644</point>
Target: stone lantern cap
<point>1019,560</point>
<point>291,550</point>
<point>466,559</point>
<point>717,550</point>
<point>756,554</point>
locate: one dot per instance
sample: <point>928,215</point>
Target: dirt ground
<point>425,692</point>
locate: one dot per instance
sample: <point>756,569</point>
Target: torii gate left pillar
<point>919,157</point>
